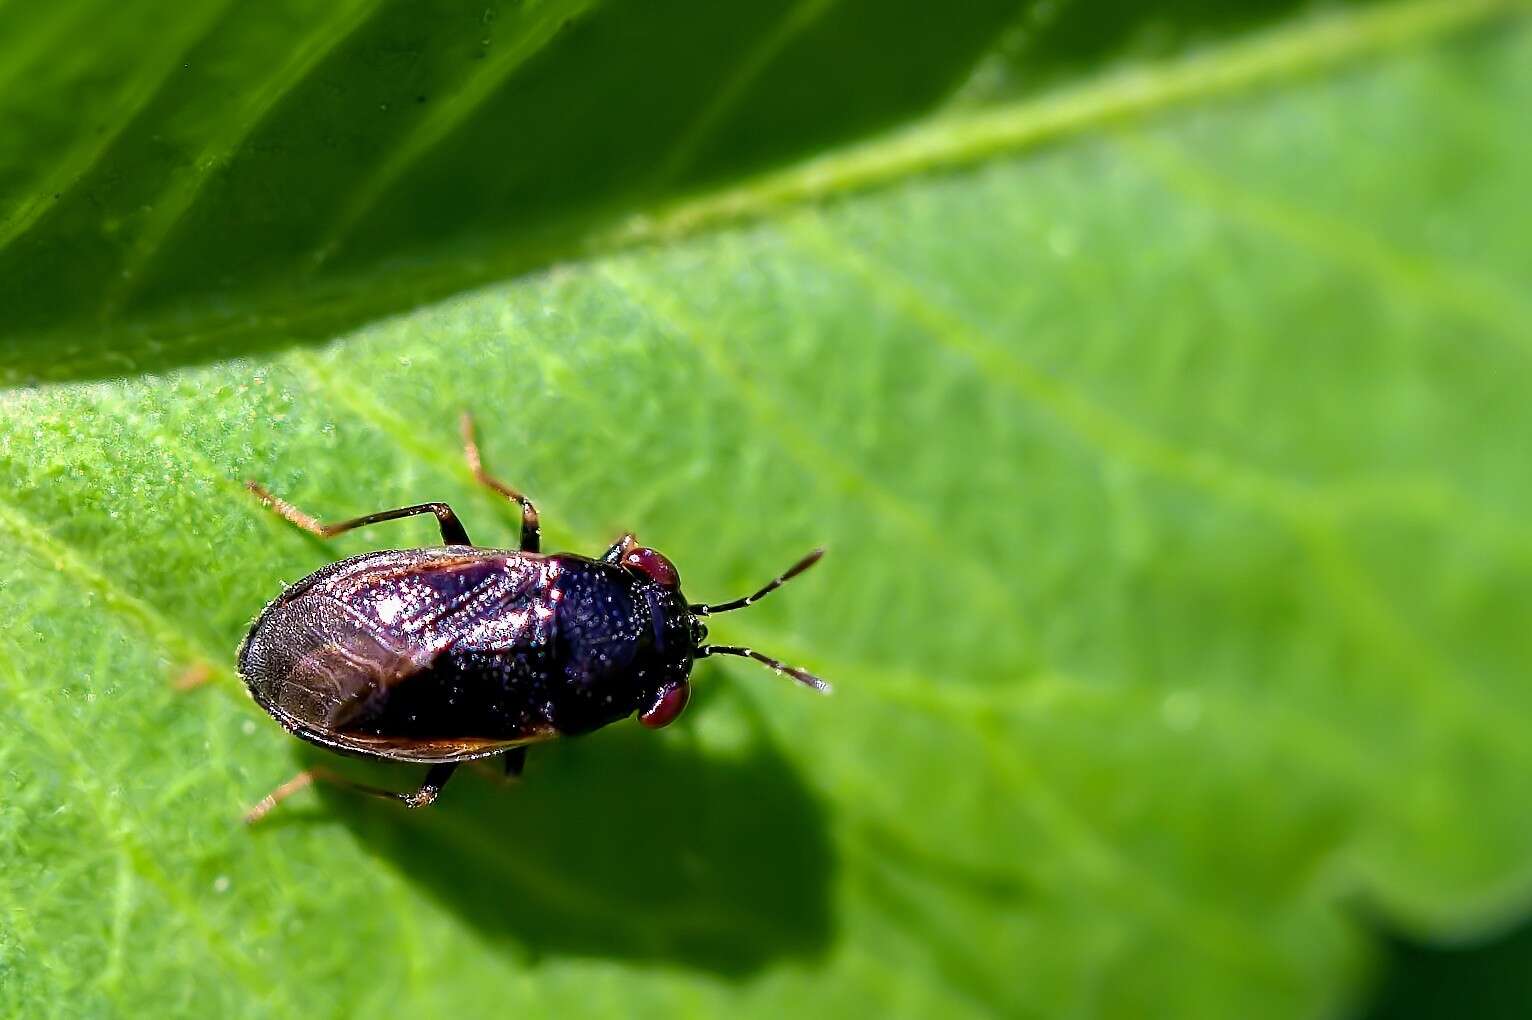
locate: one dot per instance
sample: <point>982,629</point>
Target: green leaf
<point>1172,476</point>
<point>206,177</point>
<point>183,181</point>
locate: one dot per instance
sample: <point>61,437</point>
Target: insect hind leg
<point>435,779</point>
<point>531,527</point>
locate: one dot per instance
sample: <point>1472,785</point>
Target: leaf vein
<point>255,105</point>
<point>1409,276</point>
<point>139,91</point>
<point>812,454</point>
<point>948,142</point>
<point>802,15</point>
<point>445,117</point>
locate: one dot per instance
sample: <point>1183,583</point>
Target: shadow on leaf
<point>420,150</point>
<point>617,845</point>
<point>1488,979</point>
<point>423,149</point>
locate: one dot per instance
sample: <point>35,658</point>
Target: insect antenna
<point>775,583</point>
<point>803,676</point>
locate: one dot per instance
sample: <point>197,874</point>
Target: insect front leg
<point>620,547</point>
<point>531,529</point>
<point>453,532</point>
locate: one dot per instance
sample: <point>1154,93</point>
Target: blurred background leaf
<point>209,176</point>
<point>1170,447</point>
<point>186,181</point>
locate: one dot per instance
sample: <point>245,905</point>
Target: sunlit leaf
<point>1173,478</point>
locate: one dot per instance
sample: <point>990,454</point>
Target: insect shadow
<point>621,845</point>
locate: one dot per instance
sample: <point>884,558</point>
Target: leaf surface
<point>1172,476</point>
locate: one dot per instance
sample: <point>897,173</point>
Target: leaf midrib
<point>949,141</point>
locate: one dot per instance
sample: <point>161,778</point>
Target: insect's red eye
<point>652,565</point>
<point>667,706</point>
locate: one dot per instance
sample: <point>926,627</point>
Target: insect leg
<point>515,761</point>
<point>453,532</point>
<point>263,807</point>
<point>434,781</point>
<point>620,547</point>
<point>531,530</point>
<point>192,677</point>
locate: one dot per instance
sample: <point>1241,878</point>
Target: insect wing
<point>319,663</point>
<point>335,651</point>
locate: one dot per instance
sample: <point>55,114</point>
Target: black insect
<point>448,654</point>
